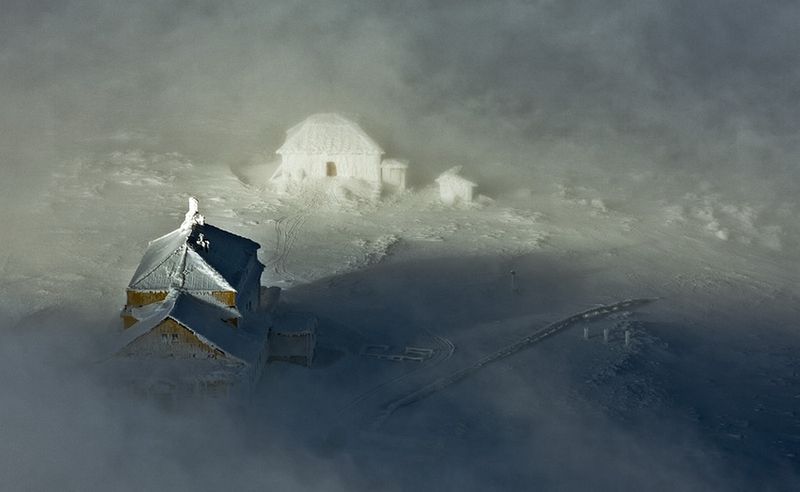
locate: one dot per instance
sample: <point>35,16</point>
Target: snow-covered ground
<point>706,396</point>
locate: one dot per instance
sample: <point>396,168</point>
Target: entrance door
<point>330,169</point>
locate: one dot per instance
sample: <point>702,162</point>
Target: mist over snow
<point>625,149</point>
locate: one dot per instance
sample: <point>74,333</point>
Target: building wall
<point>452,191</point>
<point>143,298</point>
<point>301,166</point>
<point>227,297</point>
<point>171,339</point>
<point>256,370</point>
<point>231,379</point>
<point>270,296</point>
<point>297,348</point>
<point>395,177</point>
<point>466,192</point>
<point>249,289</point>
<point>137,298</point>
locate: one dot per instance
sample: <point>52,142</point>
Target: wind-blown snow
<point>411,272</point>
<point>630,149</point>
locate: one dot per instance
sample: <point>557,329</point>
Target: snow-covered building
<point>454,188</point>
<point>187,344</point>
<point>328,145</point>
<point>294,338</point>
<point>199,259</point>
<point>393,172</point>
<point>193,314</point>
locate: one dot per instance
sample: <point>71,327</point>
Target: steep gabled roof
<point>206,320</point>
<point>179,259</point>
<point>328,133</point>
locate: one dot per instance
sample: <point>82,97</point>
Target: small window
<point>174,338</point>
<point>164,338</point>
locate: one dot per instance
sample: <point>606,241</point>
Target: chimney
<point>193,215</point>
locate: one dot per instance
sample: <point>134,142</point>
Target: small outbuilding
<point>454,188</point>
<point>328,145</point>
<point>292,338</point>
<point>393,173</point>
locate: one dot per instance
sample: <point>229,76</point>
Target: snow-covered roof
<point>328,133</point>
<point>204,318</point>
<point>451,176</point>
<point>179,259</point>
<point>157,313</point>
<point>394,164</point>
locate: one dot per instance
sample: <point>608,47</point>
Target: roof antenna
<point>203,242</point>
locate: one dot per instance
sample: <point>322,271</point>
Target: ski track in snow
<point>539,336</point>
<point>287,230</point>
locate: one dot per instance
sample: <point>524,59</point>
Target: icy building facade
<point>453,188</point>
<point>193,322</point>
<point>328,145</point>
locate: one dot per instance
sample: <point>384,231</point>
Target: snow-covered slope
<point>705,396</point>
